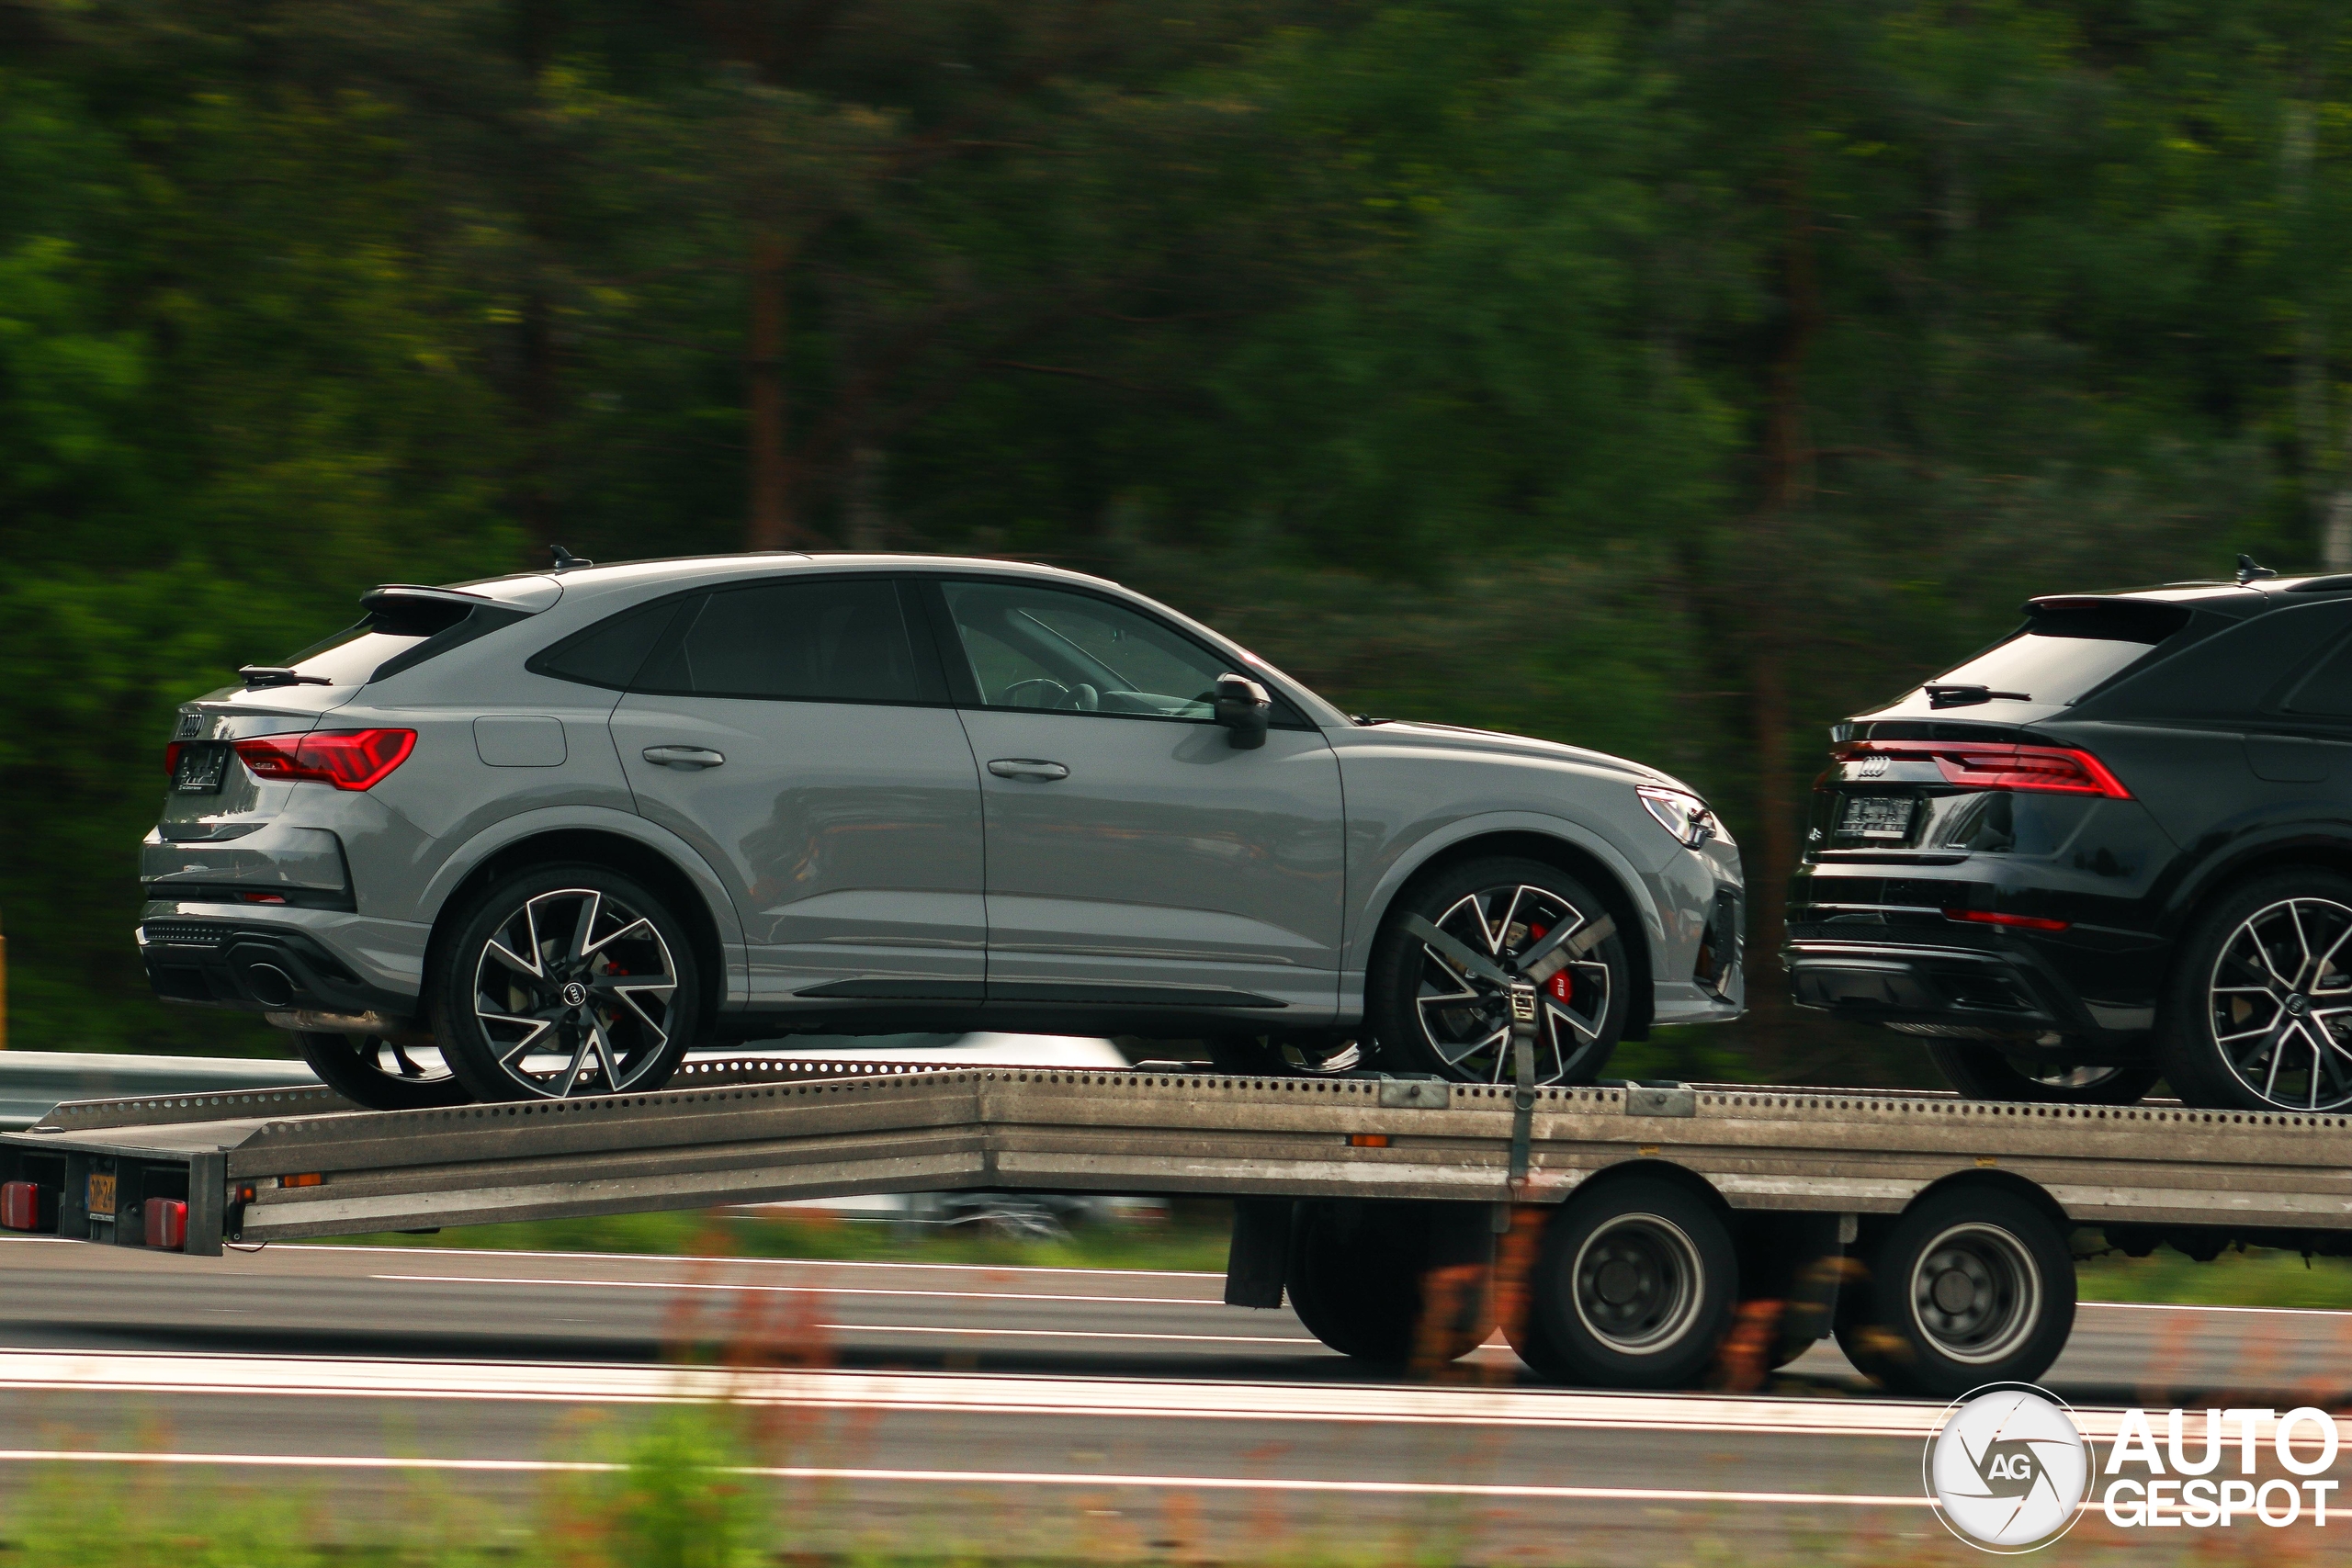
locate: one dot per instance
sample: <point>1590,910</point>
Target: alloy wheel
<point>573,994</point>
<point>2279,1004</point>
<point>1468,1024</point>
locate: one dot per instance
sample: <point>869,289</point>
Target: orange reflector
<point>1368,1140</point>
<point>312,1179</point>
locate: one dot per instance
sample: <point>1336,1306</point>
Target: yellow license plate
<point>102,1194</point>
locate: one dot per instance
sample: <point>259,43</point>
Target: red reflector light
<point>347,759</point>
<point>27,1206</point>
<point>172,758</point>
<point>2037,770</point>
<point>167,1223</point>
<point>309,1179</point>
<point>264,898</point>
<point>1368,1140</point>
<point>1996,918</point>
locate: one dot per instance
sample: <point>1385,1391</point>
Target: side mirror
<point>1243,708</point>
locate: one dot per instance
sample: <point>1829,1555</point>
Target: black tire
<point>1981,1071</point>
<point>1393,1283</point>
<point>2259,1012</point>
<point>379,1074</point>
<point>1429,1019</point>
<point>510,1035</point>
<point>1636,1287</point>
<point>1972,1285</point>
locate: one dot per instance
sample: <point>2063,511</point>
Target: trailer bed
<point>264,1165</point>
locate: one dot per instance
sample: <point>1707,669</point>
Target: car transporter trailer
<point>1628,1236</point>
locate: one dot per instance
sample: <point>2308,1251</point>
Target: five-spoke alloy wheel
<point>563,981</point>
<point>2260,1014</point>
<point>1434,1003</point>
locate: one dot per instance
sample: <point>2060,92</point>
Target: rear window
<point>351,656</point>
<point>2064,652</point>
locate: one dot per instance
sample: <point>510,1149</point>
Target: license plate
<point>102,1191</point>
<point>1875,817</point>
<point>200,770</point>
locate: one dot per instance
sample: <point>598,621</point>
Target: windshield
<point>2065,651</point>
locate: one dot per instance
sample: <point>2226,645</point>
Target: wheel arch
<point>1588,859</point>
<point>672,870</point>
<point>1665,1170</point>
<point>1994,1180</point>
<point>2292,849</point>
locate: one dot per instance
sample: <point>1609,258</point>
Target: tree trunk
<point>1786,487</point>
<point>769,524</point>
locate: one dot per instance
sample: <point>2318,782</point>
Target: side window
<point>1039,648</point>
<point>820,639</point>
<point>2326,691</point>
<point>611,652</point>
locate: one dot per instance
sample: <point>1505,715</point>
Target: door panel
<point>1166,857</point>
<point>1129,843</point>
<point>850,835</point>
<point>850,830</point>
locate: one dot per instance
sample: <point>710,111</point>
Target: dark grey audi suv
<point>2113,846</point>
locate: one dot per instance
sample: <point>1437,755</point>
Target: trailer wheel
<point>380,1073</point>
<point>565,980</point>
<point>1634,1288</point>
<point>1393,1282</point>
<point>1972,1285</point>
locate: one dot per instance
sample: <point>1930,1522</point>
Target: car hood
<point>1456,740</point>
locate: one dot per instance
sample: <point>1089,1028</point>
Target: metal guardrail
<point>33,1083</point>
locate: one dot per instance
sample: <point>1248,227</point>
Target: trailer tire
<point>1972,1285</point>
<point>1393,1283</point>
<point>1634,1288</point>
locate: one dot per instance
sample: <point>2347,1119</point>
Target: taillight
<point>1998,918</point>
<point>347,759</point>
<point>172,759</point>
<point>2037,770</point>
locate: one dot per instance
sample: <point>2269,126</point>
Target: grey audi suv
<point>537,835</point>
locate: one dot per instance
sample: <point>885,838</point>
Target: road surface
<point>1093,1414</point>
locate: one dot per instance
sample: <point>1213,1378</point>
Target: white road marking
<point>945,1392</point>
<point>2192,1307</point>
<point>792,1290</point>
<point>1299,1341</point>
<point>1000,1478</point>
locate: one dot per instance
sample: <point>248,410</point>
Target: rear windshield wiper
<point>278,675</point>
<point>1941,696</point>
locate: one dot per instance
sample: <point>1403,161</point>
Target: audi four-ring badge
<point>537,835</point>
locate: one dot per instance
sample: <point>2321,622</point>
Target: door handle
<point>684,756</point>
<point>1028,768</point>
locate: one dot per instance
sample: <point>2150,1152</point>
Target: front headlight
<point>1680,813</point>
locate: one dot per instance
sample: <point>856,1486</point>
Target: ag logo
<point>2008,1468</point>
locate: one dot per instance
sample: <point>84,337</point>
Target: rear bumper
<point>315,961</point>
<point>1875,944</point>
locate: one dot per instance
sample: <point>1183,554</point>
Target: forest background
<point>1672,377</point>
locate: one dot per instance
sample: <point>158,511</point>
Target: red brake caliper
<point>1562,986</point>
